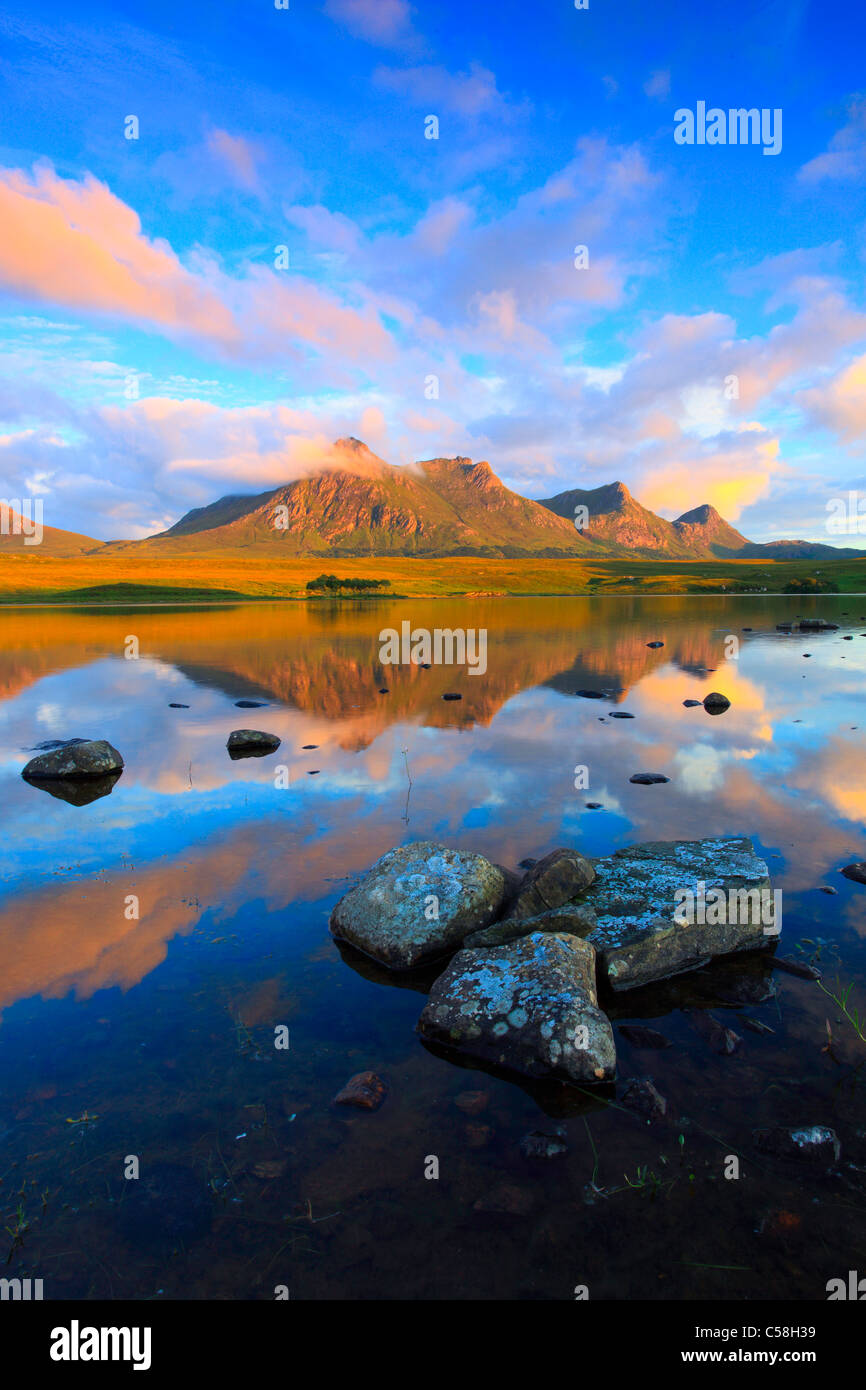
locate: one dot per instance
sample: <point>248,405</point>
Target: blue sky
<point>155,356</point>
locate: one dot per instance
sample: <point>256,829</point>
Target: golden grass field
<point>29,578</point>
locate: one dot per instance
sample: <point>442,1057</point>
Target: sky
<point>232,233</point>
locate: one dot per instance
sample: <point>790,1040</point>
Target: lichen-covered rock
<point>552,881</point>
<point>75,757</point>
<point>574,918</point>
<point>529,1007</point>
<point>418,903</point>
<point>634,897</point>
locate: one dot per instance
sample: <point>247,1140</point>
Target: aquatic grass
<point>840,999</point>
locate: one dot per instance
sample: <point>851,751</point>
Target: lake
<point>152,940</point>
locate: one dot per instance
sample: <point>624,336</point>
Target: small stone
<point>722,1040</point>
<point>755,1025</point>
<point>690,704</point>
<point>641,1096</point>
<point>308,747</point>
<point>452,695</point>
<point>621,714</point>
<point>554,880</point>
<point>478,1136</point>
<point>795,967</point>
<point>811,1144</point>
<point>249,704</point>
<point>172,704</point>
<point>655,644</point>
<point>366,1091</point>
<point>384,690</point>
<point>251,743</point>
<point>825,888</point>
<point>472,1102</point>
<point>715,703</point>
<point>648,779</point>
<point>590,694</point>
<point>544,1143</point>
<point>594,806</point>
<point>856,872</point>
<point>639,1036</point>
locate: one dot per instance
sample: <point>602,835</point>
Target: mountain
<point>705,532</point>
<point>798,550</point>
<point>360,505</point>
<point>616,519</point>
<point>357,504</point>
<point>14,530</point>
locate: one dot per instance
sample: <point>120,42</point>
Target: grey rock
<point>856,872</point>
<point>529,1007</point>
<point>76,757</point>
<point>554,880</point>
<point>573,918</point>
<point>634,898</point>
<point>388,915</point>
<point>251,743</point>
<point>648,779</point>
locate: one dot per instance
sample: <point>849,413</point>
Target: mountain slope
<point>616,519</point>
<point>14,529</point>
<point>706,533</point>
<point>369,507</point>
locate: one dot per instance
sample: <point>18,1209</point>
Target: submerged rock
<point>812,1144</point>
<point>573,918</point>
<point>366,1091</point>
<point>79,791</point>
<point>552,881</point>
<point>544,1143</point>
<point>417,903</point>
<point>251,743</point>
<point>722,1040</point>
<point>75,758</point>
<point>641,1096</point>
<point>639,1036</point>
<point>529,1007</point>
<point>634,897</point>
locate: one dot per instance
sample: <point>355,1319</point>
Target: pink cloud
<point>378,21</point>
<point>238,154</point>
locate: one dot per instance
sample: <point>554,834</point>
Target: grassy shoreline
<point>238,577</point>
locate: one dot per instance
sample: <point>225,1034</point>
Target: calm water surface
<point>153,1037</point>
